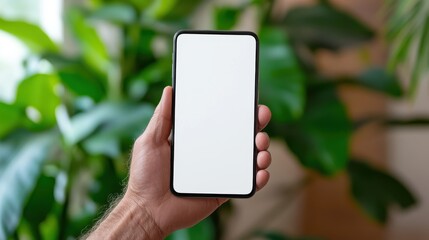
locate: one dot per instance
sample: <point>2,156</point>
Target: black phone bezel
<point>255,130</point>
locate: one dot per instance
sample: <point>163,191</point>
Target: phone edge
<point>255,119</point>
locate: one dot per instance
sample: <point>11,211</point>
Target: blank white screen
<point>214,114</point>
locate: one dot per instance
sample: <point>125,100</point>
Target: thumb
<point>159,127</point>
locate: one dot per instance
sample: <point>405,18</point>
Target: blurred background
<point>346,81</point>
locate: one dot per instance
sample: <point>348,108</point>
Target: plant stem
<point>268,12</point>
<point>36,232</point>
<point>63,218</point>
<point>63,221</point>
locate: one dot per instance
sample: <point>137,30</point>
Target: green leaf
<point>422,63</point>
<point>110,115</point>
<point>83,124</point>
<point>91,46</point>
<point>78,77</point>
<point>171,10</point>
<point>226,17</point>
<point>11,117</point>
<point>156,72</point>
<point>141,4</point>
<point>137,89</point>
<point>281,79</point>
<point>320,139</point>
<point>49,228</point>
<point>160,8</point>
<point>115,12</point>
<point>82,84</point>
<point>41,201</point>
<point>39,92</point>
<point>30,34</point>
<point>144,46</point>
<point>323,26</point>
<point>376,190</point>
<point>107,140</point>
<point>105,182</point>
<point>408,32</point>
<point>21,159</point>
<point>380,80</point>
<point>204,230</point>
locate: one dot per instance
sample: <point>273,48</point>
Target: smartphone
<point>215,95</point>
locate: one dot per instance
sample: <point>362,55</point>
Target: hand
<point>150,172</point>
<point>149,181</point>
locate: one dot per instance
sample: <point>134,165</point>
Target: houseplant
<point>65,143</point>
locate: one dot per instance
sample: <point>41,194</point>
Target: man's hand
<point>148,205</point>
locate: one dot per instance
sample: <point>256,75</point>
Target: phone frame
<point>256,98</point>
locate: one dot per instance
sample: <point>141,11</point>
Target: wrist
<point>138,213</point>
<point>128,220</point>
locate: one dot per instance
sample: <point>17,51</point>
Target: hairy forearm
<point>127,220</point>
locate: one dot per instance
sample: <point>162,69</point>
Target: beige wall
<point>409,158</point>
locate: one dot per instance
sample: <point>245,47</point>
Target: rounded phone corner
<point>174,192</point>
<point>251,193</point>
<point>178,33</point>
<point>254,35</point>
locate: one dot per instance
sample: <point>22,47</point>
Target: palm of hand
<point>149,183</point>
<point>152,185</point>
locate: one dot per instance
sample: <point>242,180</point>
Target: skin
<point>148,210</point>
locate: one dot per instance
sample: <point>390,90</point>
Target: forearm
<point>127,220</point>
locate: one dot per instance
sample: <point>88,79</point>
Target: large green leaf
<point>145,42</point>
<point>78,77</point>
<point>107,140</point>
<point>282,85</point>
<point>106,182</point>
<point>160,8</point>
<point>116,12</point>
<point>91,46</point>
<point>226,17</point>
<point>150,77</point>
<point>30,34</point>
<point>320,139</point>
<point>323,26</point>
<point>141,4</point>
<point>204,230</point>
<point>156,72</point>
<point>83,124</point>
<point>376,190</point>
<point>21,158</point>
<point>82,84</point>
<point>40,202</point>
<point>172,11</point>
<point>39,92</point>
<point>117,119</point>
<point>380,80</point>
<point>11,117</point>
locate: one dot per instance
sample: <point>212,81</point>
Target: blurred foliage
<point>408,31</point>
<point>65,140</point>
<point>366,183</point>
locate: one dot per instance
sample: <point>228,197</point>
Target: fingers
<point>262,141</point>
<point>159,127</point>
<point>263,160</point>
<point>262,177</point>
<point>264,116</point>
